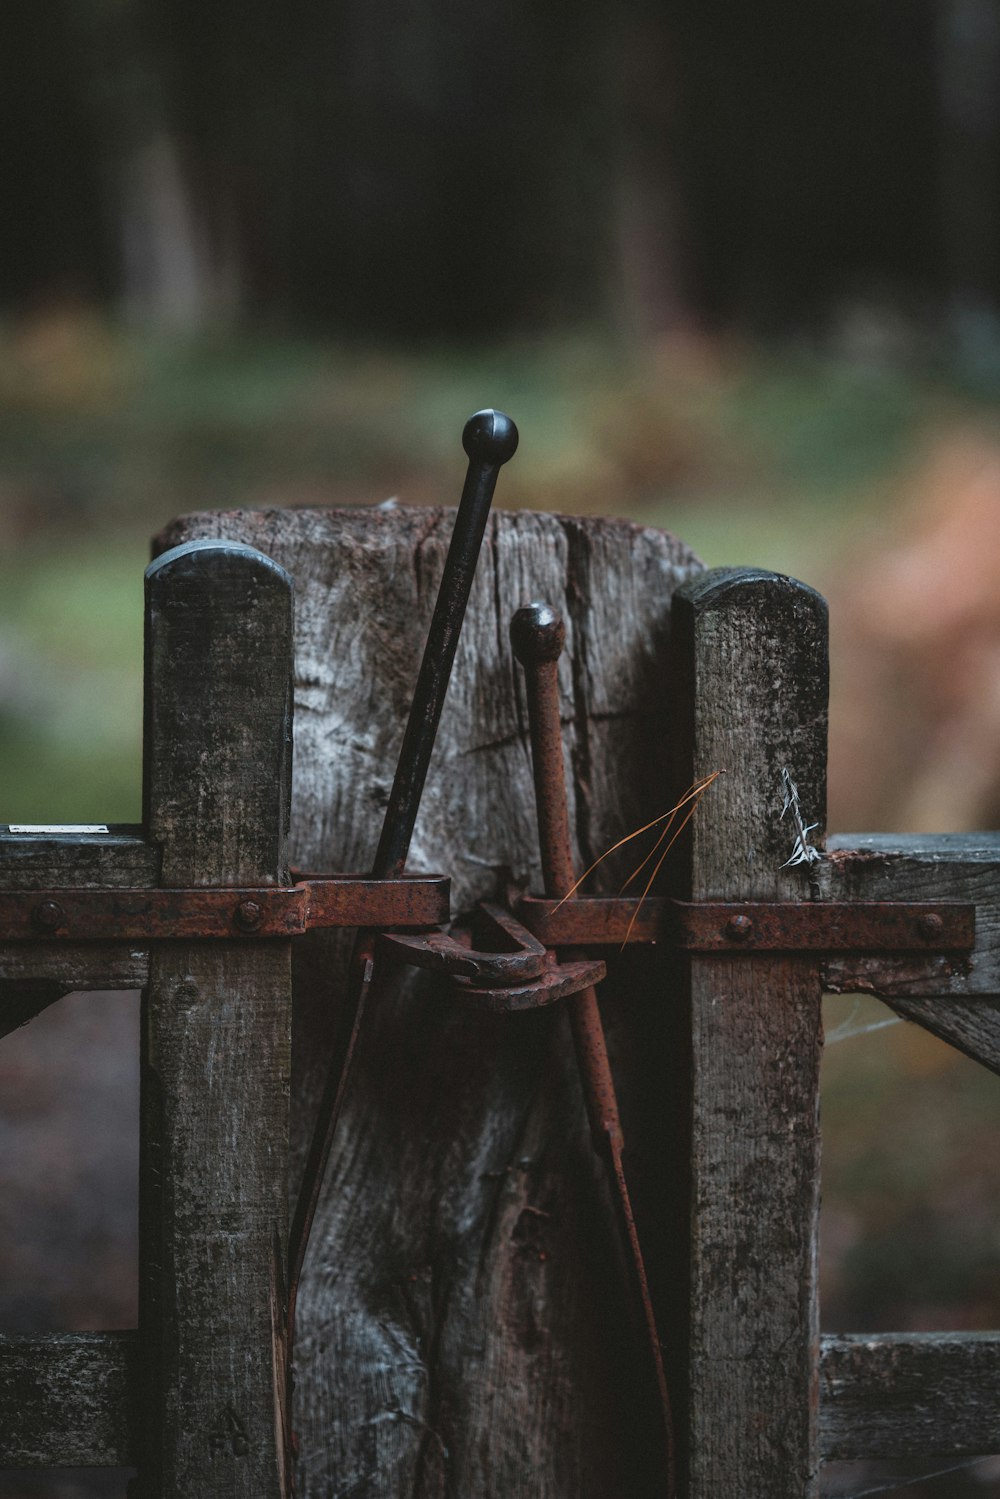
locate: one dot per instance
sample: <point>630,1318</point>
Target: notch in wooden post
<point>216,1032</point>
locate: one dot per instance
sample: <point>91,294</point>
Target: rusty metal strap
<point>269,911</point>
<point>754,926</point>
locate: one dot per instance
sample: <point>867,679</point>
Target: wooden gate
<point>463,1328</point>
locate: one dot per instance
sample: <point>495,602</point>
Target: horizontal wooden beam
<point>121,856</point>
<point>33,976</point>
<point>74,965</point>
<point>855,849</point>
<point>957,997</point>
<point>949,868</point>
<point>69,1401</point>
<point>920,1395</point>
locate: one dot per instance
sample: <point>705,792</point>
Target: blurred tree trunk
<point>968,72</point>
<point>805,135</point>
<point>54,243</point>
<point>424,169</point>
<point>652,273</point>
<point>437,170</point>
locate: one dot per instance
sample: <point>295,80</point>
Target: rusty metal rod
<point>537,635</point>
<point>489,439</point>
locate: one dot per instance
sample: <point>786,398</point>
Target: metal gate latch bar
<point>520,974</point>
<point>754,926</point>
<point>82,914</point>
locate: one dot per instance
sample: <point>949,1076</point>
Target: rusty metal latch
<point>753,926</point>
<point>521,974</point>
<point>116,915</point>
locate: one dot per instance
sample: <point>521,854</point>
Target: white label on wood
<point>57,827</point>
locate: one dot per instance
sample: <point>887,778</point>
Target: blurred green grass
<point>70,720</point>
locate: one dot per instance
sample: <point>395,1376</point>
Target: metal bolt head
<point>248,915</point>
<point>489,437</point>
<point>48,915</point>
<point>931,926</point>
<point>537,633</point>
<point>739,928</point>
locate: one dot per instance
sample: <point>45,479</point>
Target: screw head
<point>931,926</point>
<point>48,915</point>
<point>739,928</point>
<point>537,633</point>
<point>248,915</point>
<point>490,437</point>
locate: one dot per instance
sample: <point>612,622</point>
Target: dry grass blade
<point>693,794</point>
<point>690,799</point>
<point>693,797</point>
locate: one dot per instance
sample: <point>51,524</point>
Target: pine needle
<point>696,792</point>
<point>659,863</point>
<point>692,796</point>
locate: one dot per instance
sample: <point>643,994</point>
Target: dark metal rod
<point>489,439</point>
<point>537,635</point>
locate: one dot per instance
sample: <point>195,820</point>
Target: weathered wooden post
<point>752,654</point>
<point>216,1029</point>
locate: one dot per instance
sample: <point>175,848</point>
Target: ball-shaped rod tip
<point>489,437</point>
<point>537,633</point>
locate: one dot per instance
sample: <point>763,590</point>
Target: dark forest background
<point>437,170</point>
<point>734,269</point>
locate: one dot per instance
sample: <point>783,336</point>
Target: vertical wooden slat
<point>216,1031</point>
<point>752,649</point>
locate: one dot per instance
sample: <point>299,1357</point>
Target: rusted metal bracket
<point>517,956</point>
<point>82,914</point>
<point>753,926</point>
<point>520,974</point>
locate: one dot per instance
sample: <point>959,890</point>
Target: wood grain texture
<point>956,997</point>
<point>912,1395</point>
<point>752,663</point>
<point>69,1400</point>
<point>216,1033</point>
<point>464,1328</point>
<point>121,856</point>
